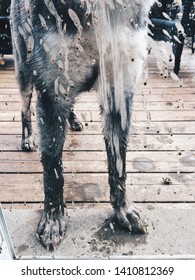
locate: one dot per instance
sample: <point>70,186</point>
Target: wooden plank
<point>169,83</point>
<point>153,81</point>
<point>137,106</point>
<point>138,165</point>
<point>94,116</point>
<point>91,96</point>
<point>152,90</point>
<point>146,97</point>
<point>93,188</point>
<point>95,162</point>
<point>7,91</point>
<point>137,142</point>
<point>177,127</point>
<point>9,84</point>
<point>146,179</point>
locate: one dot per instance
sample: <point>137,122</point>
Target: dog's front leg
<point>116,126</point>
<point>52,118</point>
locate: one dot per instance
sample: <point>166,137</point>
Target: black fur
<point>42,31</point>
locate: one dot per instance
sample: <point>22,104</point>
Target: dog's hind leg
<point>116,132</point>
<point>28,142</point>
<point>24,78</point>
<point>75,124</point>
<point>22,58</point>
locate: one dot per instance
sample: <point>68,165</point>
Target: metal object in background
<point>6,246</point>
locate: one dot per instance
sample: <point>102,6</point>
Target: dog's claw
<point>130,228</point>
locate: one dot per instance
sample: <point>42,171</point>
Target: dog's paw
<point>76,125</point>
<point>28,144</point>
<point>51,229</point>
<point>129,217</point>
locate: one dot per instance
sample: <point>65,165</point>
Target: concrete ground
<point>171,232</point>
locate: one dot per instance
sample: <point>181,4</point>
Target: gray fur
<point>62,48</point>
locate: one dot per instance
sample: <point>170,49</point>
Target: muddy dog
<point>65,47</point>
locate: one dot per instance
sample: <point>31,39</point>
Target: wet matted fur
<point>63,48</point>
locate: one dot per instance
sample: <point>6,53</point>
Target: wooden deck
<point>161,151</point>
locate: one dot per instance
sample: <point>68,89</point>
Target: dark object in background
<point>5,34</point>
<point>5,7</point>
<point>188,20</point>
<point>161,23</point>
